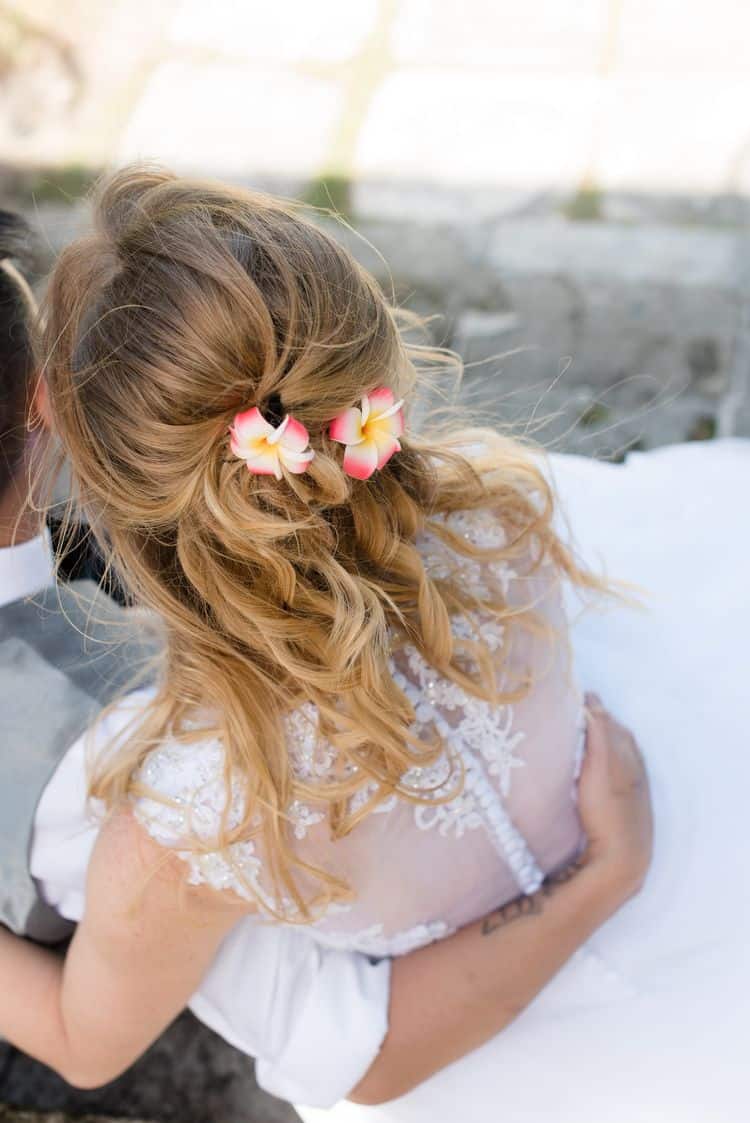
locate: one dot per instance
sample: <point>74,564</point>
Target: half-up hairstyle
<point>192,301</point>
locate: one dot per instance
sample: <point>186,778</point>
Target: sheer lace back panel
<point>418,870</point>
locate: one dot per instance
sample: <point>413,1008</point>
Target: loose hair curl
<point>189,302</point>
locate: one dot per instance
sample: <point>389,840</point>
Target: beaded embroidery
<point>486,751</point>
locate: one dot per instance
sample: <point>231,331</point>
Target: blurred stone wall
<point>564,186</point>
<point>595,336</point>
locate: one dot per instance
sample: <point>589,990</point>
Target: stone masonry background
<point>564,188</point>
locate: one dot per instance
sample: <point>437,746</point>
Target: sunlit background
<point>564,186</point>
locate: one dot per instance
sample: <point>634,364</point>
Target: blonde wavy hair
<point>191,301</point>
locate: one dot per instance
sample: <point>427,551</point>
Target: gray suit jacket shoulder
<point>64,654</point>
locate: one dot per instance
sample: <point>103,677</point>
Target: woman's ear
<point>40,405</point>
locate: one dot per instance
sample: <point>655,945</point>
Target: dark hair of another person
<point>16,361</point>
<point>77,556</point>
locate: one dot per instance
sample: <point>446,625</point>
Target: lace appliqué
<point>364,794</point>
<point>485,531</point>
<point>191,781</point>
<point>191,777</point>
<point>310,757</point>
<point>373,940</point>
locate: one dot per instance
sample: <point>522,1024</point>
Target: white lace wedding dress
<point>513,821</point>
<point>647,1022</point>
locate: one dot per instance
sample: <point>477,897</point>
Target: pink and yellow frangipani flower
<point>370,433</point>
<point>266,449</point>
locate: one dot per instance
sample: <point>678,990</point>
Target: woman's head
<point>189,303</point>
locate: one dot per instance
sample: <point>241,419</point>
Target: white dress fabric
<point>648,1023</point>
<point>512,821</point>
<point>648,1020</point>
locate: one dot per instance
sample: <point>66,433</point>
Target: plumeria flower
<point>370,433</point>
<point>265,448</point>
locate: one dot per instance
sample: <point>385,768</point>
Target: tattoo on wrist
<point>530,905</point>
<point>514,910</point>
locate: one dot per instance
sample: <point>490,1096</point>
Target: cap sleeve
<point>184,800</point>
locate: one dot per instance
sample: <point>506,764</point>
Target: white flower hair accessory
<point>370,433</point>
<point>266,449</point>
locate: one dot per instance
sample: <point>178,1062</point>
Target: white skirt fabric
<point>648,1023</point>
